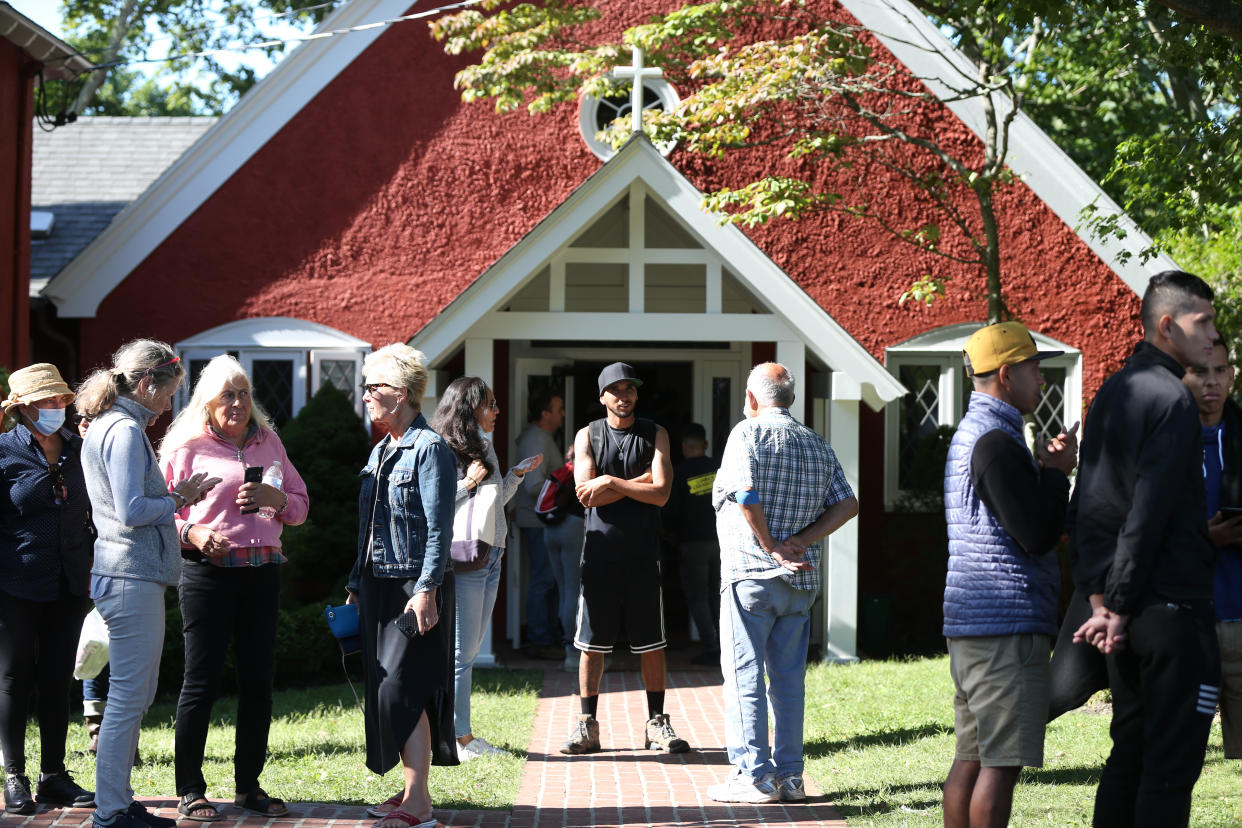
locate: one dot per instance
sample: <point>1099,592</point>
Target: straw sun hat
<point>33,383</point>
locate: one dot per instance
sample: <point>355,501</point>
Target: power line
<point>295,39</point>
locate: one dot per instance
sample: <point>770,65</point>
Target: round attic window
<point>594,114</point>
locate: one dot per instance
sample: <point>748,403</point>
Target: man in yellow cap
<point>1005,511</point>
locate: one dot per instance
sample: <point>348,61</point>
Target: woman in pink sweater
<point>230,583</point>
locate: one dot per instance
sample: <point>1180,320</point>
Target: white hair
<point>400,366</point>
<point>221,373</point>
<point>769,390</point>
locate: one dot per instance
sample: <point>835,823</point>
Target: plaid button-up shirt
<point>796,475</point>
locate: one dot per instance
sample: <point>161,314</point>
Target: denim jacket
<point>412,526</point>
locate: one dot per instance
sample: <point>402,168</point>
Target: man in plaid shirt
<point>779,491</point>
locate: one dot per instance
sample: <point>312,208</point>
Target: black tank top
<point>626,529</point>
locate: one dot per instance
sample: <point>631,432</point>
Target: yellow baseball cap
<point>1005,343</point>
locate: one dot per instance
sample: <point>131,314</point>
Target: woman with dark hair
<point>137,554</point>
<point>466,418</point>
<point>45,561</point>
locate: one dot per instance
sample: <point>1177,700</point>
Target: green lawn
<point>880,742</point>
<point>315,750</point>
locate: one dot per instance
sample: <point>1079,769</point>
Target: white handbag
<point>474,528</point>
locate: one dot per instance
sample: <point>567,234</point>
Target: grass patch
<point>315,749</point>
<point>880,741</point>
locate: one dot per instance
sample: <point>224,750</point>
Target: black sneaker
<point>142,816</point>
<point>17,795</point>
<point>60,789</point>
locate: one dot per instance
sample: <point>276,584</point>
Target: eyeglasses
<point>492,404</point>
<point>370,387</point>
<point>59,493</point>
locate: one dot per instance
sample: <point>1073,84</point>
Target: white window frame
<point>319,355</point>
<point>588,108</point>
<point>277,337</point>
<point>942,347</point>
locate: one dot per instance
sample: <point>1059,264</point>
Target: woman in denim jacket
<point>403,585</point>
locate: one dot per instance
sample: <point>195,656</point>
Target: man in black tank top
<point>623,477</point>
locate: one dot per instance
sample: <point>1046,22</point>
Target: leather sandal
<point>196,808</point>
<point>393,802</point>
<point>260,803</point>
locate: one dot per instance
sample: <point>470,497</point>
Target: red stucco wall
<point>16,97</point>
<point>386,196</point>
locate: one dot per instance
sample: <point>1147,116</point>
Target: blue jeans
<point>564,542</point>
<point>764,623</point>
<point>476,596</point>
<point>540,590</point>
<point>134,613</point>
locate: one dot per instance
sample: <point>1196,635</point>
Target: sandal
<point>260,803</point>
<point>195,807</point>
<point>393,801</point>
<point>408,820</point>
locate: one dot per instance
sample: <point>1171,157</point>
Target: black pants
<point>219,604</point>
<point>700,578</point>
<point>1078,670</point>
<point>38,641</point>
<point>1164,687</point>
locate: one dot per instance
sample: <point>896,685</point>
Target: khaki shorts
<point>1001,705</point>
<point>1229,634</point>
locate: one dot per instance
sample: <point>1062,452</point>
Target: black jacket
<point>1137,532</point>
<point>1231,474</point>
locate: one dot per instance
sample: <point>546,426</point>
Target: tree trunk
<point>120,29</point>
<point>997,312</point>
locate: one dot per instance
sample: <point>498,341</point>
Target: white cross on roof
<point>638,73</point>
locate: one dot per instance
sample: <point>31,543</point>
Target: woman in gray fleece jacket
<point>137,553</point>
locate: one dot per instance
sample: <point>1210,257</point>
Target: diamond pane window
<point>1048,414</point>
<point>340,373</point>
<point>920,417</point>
<point>273,388</point>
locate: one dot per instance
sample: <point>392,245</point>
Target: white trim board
<point>474,312</point>
<point>1042,165</point>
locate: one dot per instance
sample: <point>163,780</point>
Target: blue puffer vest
<point>993,587</point>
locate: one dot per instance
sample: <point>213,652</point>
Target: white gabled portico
<point>631,260</point>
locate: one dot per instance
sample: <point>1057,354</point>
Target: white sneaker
<point>475,748</point>
<point>791,789</point>
<point>738,788</point>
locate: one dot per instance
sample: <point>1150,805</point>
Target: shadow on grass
<point>1061,776</point>
<point>858,802</point>
<point>818,748</point>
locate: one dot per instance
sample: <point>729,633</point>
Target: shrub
<point>328,445</point>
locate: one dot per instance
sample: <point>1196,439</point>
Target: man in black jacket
<point>1140,549</point>
<point>1221,421</point>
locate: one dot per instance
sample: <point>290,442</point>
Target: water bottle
<point>274,477</point>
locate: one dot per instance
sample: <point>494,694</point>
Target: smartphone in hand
<point>254,474</point>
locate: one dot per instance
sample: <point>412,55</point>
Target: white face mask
<point>49,420</point>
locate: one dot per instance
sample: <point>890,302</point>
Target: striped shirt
<point>796,475</point>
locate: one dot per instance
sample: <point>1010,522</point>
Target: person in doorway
<point>1140,549</point>
<point>623,476</point>
<point>690,518</point>
<point>1221,421</point>
<point>1005,512</point>
<point>547,415</point>
<point>779,492</point>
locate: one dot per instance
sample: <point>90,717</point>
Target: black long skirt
<point>406,676</point>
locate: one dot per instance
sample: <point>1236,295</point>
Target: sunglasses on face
<point>370,387</point>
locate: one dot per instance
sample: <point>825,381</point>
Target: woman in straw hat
<point>45,558</point>
<point>137,553</point>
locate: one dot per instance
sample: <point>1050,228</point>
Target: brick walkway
<point>623,785</point>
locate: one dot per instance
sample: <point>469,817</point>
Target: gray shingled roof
<point>88,171</point>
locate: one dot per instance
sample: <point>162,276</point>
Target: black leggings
<point>38,641</point>
<point>1078,670</point>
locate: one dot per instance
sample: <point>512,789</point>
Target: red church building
<point>351,199</point>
